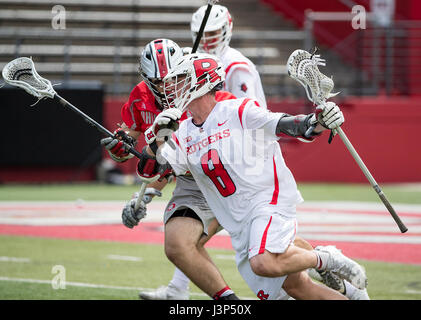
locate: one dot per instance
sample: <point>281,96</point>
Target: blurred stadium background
<point>49,154</point>
<point>94,58</point>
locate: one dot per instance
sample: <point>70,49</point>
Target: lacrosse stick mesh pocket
<point>21,73</point>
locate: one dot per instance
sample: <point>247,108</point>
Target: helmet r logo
<point>207,65</point>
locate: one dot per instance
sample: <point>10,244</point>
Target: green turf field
<point>311,192</point>
<point>92,274</point>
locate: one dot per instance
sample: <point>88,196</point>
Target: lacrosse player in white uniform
<point>243,80</point>
<point>255,204</point>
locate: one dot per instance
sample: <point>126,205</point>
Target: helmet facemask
<point>156,60</point>
<point>156,86</point>
<point>214,42</point>
<point>177,91</point>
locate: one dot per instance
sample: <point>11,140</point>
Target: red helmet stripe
<point>160,56</point>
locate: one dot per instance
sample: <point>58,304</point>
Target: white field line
<point>361,238</point>
<point>109,212</point>
<point>123,258</point>
<point>13,259</point>
<point>100,286</point>
<point>413,291</point>
<point>225,257</point>
<point>353,221</point>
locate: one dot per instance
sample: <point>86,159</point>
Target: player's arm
<point>132,133</point>
<point>148,166</point>
<point>149,169</point>
<point>304,127</point>
<point>327,116</point>
<point>155,187</point>
<point>131,126</point>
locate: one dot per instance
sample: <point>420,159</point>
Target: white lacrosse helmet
<point>219,24</point>
<point>156,60</point>
<point>193,76</point>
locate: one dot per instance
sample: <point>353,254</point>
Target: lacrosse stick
<point>303,67</point>
<point>21,73</point>
<point>202,26</point>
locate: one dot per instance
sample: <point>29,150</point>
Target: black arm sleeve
<point>297,126</point>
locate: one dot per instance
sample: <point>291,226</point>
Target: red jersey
<point>141,109</point>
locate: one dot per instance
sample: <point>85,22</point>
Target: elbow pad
<point>297,126</point>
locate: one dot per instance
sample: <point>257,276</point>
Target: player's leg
<point>332,280</point>
<point>213,228</point>
<point>326,277</point>
<point>271,254</point>
<point>295,259</point>
<point>300,286</point>
<point>301,243</point>
<point>182,235</point>
<point>178,287</point>
<point>287,262</point>
<point>187,195</point>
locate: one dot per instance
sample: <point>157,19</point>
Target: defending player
<point>189,221</point>
<point>261,205</point>
<point>243,80</point>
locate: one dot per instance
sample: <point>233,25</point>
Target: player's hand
<point>129,216</point>
<point>116,148</point>
<point>164,125</point>
<point>149,194</point>
<point>329,115</point>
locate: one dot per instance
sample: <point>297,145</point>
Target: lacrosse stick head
<point>21,73</point>
<point>303,67</point>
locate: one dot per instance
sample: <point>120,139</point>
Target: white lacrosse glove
<point>129,216</point>
<point>164,125</point>
<point>330,116</point>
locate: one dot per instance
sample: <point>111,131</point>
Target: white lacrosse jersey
<point>237,163</point>
<point>241,76</point>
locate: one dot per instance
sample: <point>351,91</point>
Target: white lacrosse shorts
<point>271,232</point>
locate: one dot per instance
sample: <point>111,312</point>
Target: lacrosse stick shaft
<point>142,190</point>
<point>202,26</point>
<point>370,178</point>
<point>92,122</point>
<point>140,197</point>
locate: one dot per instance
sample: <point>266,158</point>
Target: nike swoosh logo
<point>221,124</point>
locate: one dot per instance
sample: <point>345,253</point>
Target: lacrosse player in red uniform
<point>189,222</point>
